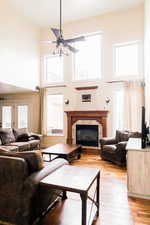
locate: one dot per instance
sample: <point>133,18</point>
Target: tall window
<point>55,114</point>
<point>127,59</point>
<point>87,62</point>
<point>6,117</point>
<point>53,69</point>
<point>118,115</point>
<point>22,116</point>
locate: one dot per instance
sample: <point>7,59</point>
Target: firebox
<point>87,135</point>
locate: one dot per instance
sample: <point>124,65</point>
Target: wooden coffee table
<point>78,180</point>
<point>66,151</point>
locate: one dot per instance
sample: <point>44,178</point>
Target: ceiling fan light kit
<point>63,46</point>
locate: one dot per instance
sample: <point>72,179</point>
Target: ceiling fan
<point>61,43</point>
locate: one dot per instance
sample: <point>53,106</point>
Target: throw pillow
<point>20,134</point>
<point>6,136</point>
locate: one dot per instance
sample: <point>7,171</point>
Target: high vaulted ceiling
<point>46,12</point>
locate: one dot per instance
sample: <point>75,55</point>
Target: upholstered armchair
<point>114,149</point>
<point>22,198</point>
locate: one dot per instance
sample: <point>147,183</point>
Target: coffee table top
<point>63,149</point>
<point>72,178</point>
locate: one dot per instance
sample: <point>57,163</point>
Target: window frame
<point>11,107</point>
<point>99,33</point>
<point>44,80</point>
<point>140,61</point>
<point>17,114</point>
<point>63,130</point>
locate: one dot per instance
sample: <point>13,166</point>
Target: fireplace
<point>87,135</point>
<point>73,116</point>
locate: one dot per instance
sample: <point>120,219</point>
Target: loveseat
<point>19,140</point>
<point>113,149</point>
<point>22,198</point>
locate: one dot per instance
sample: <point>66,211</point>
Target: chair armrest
<point>32,182</point>
<point>36,136</point>
<point>108,141</point>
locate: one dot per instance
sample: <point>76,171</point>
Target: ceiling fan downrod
<point>60,17</point>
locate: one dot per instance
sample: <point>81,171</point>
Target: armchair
<point>22,198</point>
<point>114,149</point>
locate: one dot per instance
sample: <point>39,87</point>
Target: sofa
<point>22,198</point>
<point>113,149</point>
<point>18,140</point>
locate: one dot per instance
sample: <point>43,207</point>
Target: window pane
<point>55,114</point>
<point>118,109</point>
<point>6,116</point>
<point>88,59</point>
<point>54,68</point>
<point>127,60</point>
<point>22,116</point>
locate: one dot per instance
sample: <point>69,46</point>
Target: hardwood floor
<point>115,207</point>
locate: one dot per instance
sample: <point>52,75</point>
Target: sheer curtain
<point>133,101</point>
<point>43,95</point>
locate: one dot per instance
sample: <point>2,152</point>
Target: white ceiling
<point>46,12</point>
<point>8,88</point>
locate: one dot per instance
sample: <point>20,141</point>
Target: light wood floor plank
<point>116,207</point>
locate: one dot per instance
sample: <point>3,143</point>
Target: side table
<point>78,180</point>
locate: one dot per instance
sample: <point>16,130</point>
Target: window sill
<point>127,77</point>
<point>88,81</point>
<point>55,135</point>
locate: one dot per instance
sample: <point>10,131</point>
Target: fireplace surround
<point>74,116</point>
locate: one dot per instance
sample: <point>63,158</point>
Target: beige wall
<point>32,99</point>
<point>19,48</point>
<point>117,27</point>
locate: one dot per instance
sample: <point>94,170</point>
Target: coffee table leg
<point>84,207</point>
<point>64,196</point>
<point>79,153</point>
<point>97,193</point>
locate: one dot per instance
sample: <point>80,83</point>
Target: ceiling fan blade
<point>81,38</point>
<point>72,49</point>
<point>48,42</point>
<point>56,32</point>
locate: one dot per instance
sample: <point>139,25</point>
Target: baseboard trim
<point>94,151</point>
<point>139,196</point>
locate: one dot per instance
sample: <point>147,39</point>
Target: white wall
<point>147,59</point>
<point>117,27</point>
<point>19,48</point>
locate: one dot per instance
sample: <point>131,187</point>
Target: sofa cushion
<point>9,148</point>
<point>6,136</point>
<point>33,158</point>
<point>122,145</point>
<point>21,134</point>
<point>122,135</point>
<point>23,146</point>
